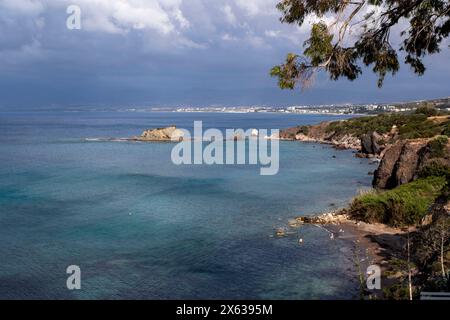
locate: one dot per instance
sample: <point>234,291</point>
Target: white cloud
<point>179,17</point>
<point>257,42</point>
<point>257,7</point>
<point>158,25</point>
<point>187,43</point>
<point>121,16</point>
<point>115,16</point>
<point>228,37</point>
<point>272,33</point>
<point>229,15</point>
<point>22,7</point>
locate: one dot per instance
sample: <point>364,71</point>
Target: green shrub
<point>428,111</point>
<point>435,169</point>
<point>402,206</point>
<point>411,126</point>
<point>419,127</point>
<point>438,169</point>
<point>438,146</point>
<point>303,129</point>
<point>446,129</point>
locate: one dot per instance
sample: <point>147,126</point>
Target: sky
<point>173,53</point>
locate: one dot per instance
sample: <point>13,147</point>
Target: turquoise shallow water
<point>141,227</point>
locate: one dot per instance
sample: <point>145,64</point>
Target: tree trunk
<point>442,258</point>
<point>409,271</point>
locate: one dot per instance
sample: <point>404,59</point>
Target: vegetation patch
<point>303,130</point>
<point>435,169</point>
<point>428,111</point>
<point>438,147</point>
<point>403,206</point>
<point>410,126</point>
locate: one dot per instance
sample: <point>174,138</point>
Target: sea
<point>140,227</point>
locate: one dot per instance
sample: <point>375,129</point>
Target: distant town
<point>346,109</point>
<point>332,109</point>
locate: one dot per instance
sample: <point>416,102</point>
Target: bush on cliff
<point>303,130</point>
<point>435,169</point>
<point>427,110</point>
<point>382,124</point>
<point>403,206</point>
<point>438,147</point>
<point>419,127</point>
<point>410,126</point>
<point>446,129</point>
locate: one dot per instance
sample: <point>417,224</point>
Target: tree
<point>361,35</point>
<point>427,110</point>
<point>443,231</point>
<point>408,246</point>
<point>435,240</point>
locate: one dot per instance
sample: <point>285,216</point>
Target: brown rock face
<point>409,162</point>
<point>403,161</point>
<point>289,134</point>
<point>162,134</point>
<point>320,133</point>
<point>384,174</point>
<point>371,143</point>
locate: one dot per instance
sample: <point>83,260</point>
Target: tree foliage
<point>336,49</point>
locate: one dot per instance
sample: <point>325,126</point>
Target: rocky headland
<point>409,206</point>
<point>321,133</point>
<point>173,134</point>
<point>401,159</point>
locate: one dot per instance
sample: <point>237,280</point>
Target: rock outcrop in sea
<point>161,134</point>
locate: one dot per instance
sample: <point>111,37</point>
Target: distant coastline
<point>325,109</point>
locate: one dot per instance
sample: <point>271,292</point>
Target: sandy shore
<point>381,244</point>
<point>375,244</point>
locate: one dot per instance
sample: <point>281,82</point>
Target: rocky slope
<point>401,159</point>
<point>411,148</point>
<point>404,160</point>
<point>370,144</point>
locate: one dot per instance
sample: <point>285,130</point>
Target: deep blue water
<point>141,227</point>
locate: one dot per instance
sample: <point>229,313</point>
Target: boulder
<point>371,143</point>
<point>384,173</point>
<point>408,163</point>
<point>403,161</point>
<point>162,134</point>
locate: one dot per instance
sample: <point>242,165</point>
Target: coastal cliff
<point>405,160</point>
<point>404,144</point>
<point>367,144</point>
<point>321,133</point>
<point>407,214</point>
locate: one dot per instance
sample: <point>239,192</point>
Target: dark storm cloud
<point>170,52</point>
